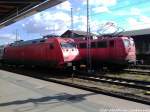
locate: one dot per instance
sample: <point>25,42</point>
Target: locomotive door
<point>112,50</point>
<point>51,57</point>
<point>119,50</point>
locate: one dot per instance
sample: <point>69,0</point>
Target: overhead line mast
<point>89,62</point>
<point>72,24</point>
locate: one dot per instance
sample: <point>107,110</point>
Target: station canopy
<point>12,11</point>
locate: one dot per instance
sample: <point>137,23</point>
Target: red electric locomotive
<point>105,51</point>
<point>51,52</point>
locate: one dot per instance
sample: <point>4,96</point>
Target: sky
<point>125,14</point>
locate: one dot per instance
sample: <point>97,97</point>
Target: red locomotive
<point>52,52</point>
<point>106,51</point>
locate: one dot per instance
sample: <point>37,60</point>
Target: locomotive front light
<point>65,54</point>
<point>69,64</point>
<point>75,52</point>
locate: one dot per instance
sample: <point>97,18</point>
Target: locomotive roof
<point>34,41</point>
<point>28,42</point>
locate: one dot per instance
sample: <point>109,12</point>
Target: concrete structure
<point>15,10</point>
<point>25,94</point>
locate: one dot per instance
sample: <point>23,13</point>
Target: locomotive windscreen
<point>131,42</point>
<point>68,45</point>
<point>126,43</point>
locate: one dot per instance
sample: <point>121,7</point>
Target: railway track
<point>144,85</point>
<point>146,67</point>
<point>122,95</point>
<point>137,71</point>
<point>137,84</point>
<point>126,96</point>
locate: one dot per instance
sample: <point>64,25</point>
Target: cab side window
<point>93,45</point>
<point>111,43</point>
<point>102,44</point>
<point>4,51</point>
<point>82,45</point>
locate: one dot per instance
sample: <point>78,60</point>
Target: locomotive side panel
<point>112,49</point>
<point>54,53</point>
<point>120,50</point>
<point>101,52</point>
<point>34,54</point>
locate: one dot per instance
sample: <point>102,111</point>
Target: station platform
<point>25,94</point>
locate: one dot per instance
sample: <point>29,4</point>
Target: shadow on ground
<point>63,97</point>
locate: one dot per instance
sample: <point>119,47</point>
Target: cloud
<point>101,2</point>
<point>135,11</point>
<point>145,19</point>
<point>132,21</point>
<point>47,22</point>
<point>141,22</point>
<point>66,6</point>
<point>131,12</point>
<point>100,9</point>
<point>8,38</point>
<point>81,23</point>
<point>100,6</point>
<point>94,26</point>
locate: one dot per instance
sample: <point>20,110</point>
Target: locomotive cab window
<point>33,42</point>
<point>102,44</point>
<point>4,51</point>
<point>132,42</point>
<point>82,45</point>
<point>111,43</point>
<point>68,45</point>
<point>93,45</point>
<point>126,43</point>
<point>73,44</point>
<point>42,40</point>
